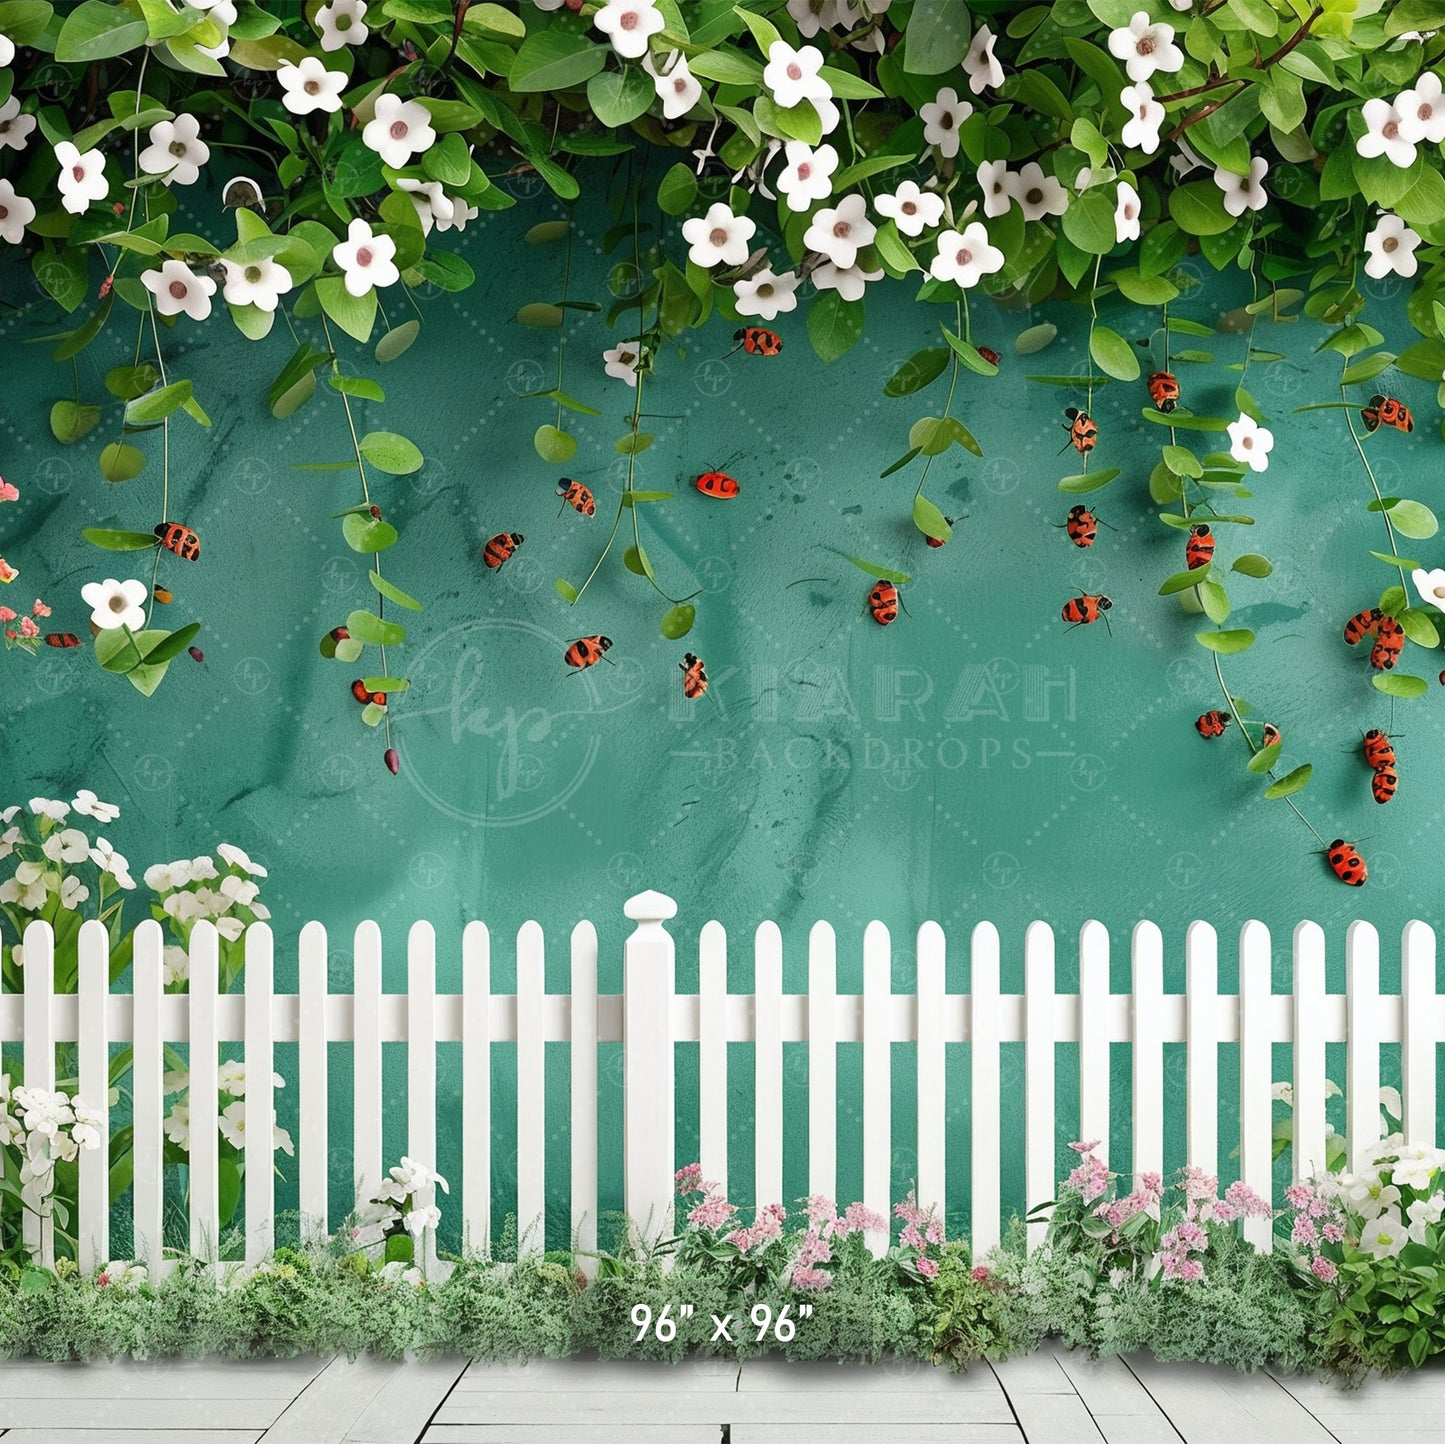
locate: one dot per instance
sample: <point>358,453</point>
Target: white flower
<point>793,75</point>
<point>118,1274</point>
<point>178,1125</point>
<point>1126,214</point>
<point>1422,110</point>
<point>28,894</point>
<point>420,1219</point>
<point>838,232</point>
<point>258,283</point>
<point>183,906</point>
<point>1368,1196</point>
<point>1422,1213</point>
<point>828,114</point>
<point>342,22</point>
<point>1038,195</point>
<point>1390,1101</point>
<point>176,151</point>
<point>1431,586</point>
<point>628,24</point>
<point>82,177</point>
<point>911,208</point>
<point>1146,115</point>
<point>461,214</point>
<point>623,361</point>
<point>15,128</point>
<point>401,129</point>
<point>994,181</point>
<point>718,237</point>
<point>942,117</point>
<point>983,69</point>
<point>86,1131</point>
<point>677,88</point>
<point>73,892</point>
<point>115,604</point>
<point>107,859</point>
<point>1415,1167</point>
<point>7,50</point>
<point>966,256</point>
<point>1145,48</point>
<point>175,968</point>
<point>848,281</point>
<point>221,11</point>
<point>1250,442</point>
<point>766,294</point>
<point>366,258</point>
<point>309,86</point>
<point>1246,192</point>
<point>49,807</point>
<point>8,839</point>
<point>89,805</point>
<point>69,845</point>
<point>433,205</point>
<point>239,890</point>
<point>177,288</point>
<point>1385,135</point>
<point>1283,1093</point>
<point>234,856</point>
<point>1385,1235</point>
<point>1391,248</point>
<point>231,1078</point>
<point>233,1124</point>
<point>808,175</point>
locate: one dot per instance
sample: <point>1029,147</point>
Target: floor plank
<point>1120,1406</point>
<point>868,1434</point>
<point>162,1378</point>
<point>578,1434</point>
<point>594,1375</point>
<point>131,1436</point>
<point>1209,1404</point>
<point>108,1415</point>
<point>333,1401</point>
<point>1035,1373</point>
<point>401,1409</point>
<point>772,1374</point>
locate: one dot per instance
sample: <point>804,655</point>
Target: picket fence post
<point>647,1065</point>
<point>147,1097</point>
<point>260,1097</point>
<point>39,1060</point>
<point>205,1217</point>
<point>92,1224</point>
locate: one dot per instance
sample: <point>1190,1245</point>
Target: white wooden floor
<point>1051,1397</point>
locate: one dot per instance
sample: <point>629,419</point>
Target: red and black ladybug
<point>1164,391</point>
<point>501,547</point>
<point>1346,863</point>
<point>179,539</point>
<point>1386,411</point>
<point>757,341</point>
<point>1199,549</point>
<point>1212,723</point>
<point>718,484</point>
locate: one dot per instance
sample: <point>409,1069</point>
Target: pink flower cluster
<point>767,1226</point>
<point>1317,1222</point>
<point>27,629</point>
<point>825,1223</point>
<point>1091,1177</point>
<point>1176,1249</point>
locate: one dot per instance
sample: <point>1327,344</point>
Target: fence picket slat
<point>531,1087</point>
<point>259,1101</point>
<point>421,1068</point>
<point>983,1016</point>
<point>477,1088</point>
<point>312,1084</point>
<point>1201,1024</point>
<point>366,1062</point>
<point>1255,1069</point>
<point>877,1080</point>
<point>932,1072</point>
<point>204,1180</point>
<point>1362,1054</point>
<point>649,973</point>
<point>1039,1177</point>
<point>822,1061</point>
<point>768,1065</point>
<point>584,1093</point>
<point>147,1102</point>
<point>1308,1151</point>
<point>1146,1015</point>
<point>1094,1036</point>
<point>93,1224</point>
<point>38,1062</point>
<point>712,1063</point>
<point>1417,1055</point>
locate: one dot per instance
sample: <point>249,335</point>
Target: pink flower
<point>1332,1232</point>
<point>1190,1270</point>
<point>687,1180</point>
<point>40,609</point>
<point>712,1212</point>
<point>911,1237</point>
<point>1223,1211</point>
<point>1152,1183</point>
<point>1088,1147</point>
<point>860,1218</point>
<point>1249,1203</point>
<point>102,1279</point>
<point>1197,1184</point>
<point>1304,1229</point>
<point>7,572</point>
<point>28,628</point>
<point>811,1280</point>
<point>7,614</point>
<point>819,1208</point>
<point>980,1273</point>
<point>8,492</point>
<point>934,1232</point>
<point>908,1210</point>
<point>1299,1195</point>
<point>1090,1178</point>
<point>1323,1269</point>
<point>927,1267</point>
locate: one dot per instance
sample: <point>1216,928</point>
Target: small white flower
<point>7,50</point>
<point>719,237</point>
<point>911,208</point>
<point>82,177</point>
<point>848,281</point>
<point>342,22</point>
<point>1184,160</point>
<point>176,152</point>
<point>258,283</point>
<point>767,295</point>
<point>983,69</point>
<point>677,88</point>
<point>828,113</point>
<point>15,128</point>
<point>623,361</point>
<point>808,175</point>
<point>69,845</point>
<point>1431,586</point>
<point>1385,135</point>
<point>49,807</point>
<point>177,288</point>
<point>1283,1093</point>
<point>73,892</point>
<point>401,129</point>
<point>1038,195</point>
<point>1415,1167</point>
<point>1126,214</point>
<point>365,258</point>
<point>966,256</point>
<point>629,24</point>
<point>1246,192</point>
<point>234,856</point>
<point>86,1131</point>
<point>178,1125</point>
<point>838,232</point>
<point>1385,1235</point>
<point>221,11</point>
<point>175,968</point>
<point>433,205</point>
<point>1145,48</point>
<point>1422,1213</point>
<point>942,117</point>
<point>89,805</point>
<point>309,86</point>
<point>1146,115</point>
<point>8,839</point>
<point>1422,110</point>
<point>1250,442</point>
<point>16,212</point>
<point>281,1140</point>
<point>1391,248</point>
<point>421,1219</point>
<point>793,76</point>
<point>995,182</point>
<point>239,890</point>
<point>115,604</point>
<point>232,1123</point>
<point>462,212</point>
<point>1390,1101</point>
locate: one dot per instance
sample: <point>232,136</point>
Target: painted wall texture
<point>974,760</point>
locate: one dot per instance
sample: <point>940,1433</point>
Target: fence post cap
<point>650,907</point>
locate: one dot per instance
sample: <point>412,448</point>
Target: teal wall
<point>975,760</point>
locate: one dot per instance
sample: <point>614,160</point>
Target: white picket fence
<point>649,1018</point>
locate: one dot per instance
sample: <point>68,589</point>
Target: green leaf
<point>935,39</point>
<point>618,97</point>
<point>375,631</point>
<point>1035,338</point>
<point>63,274</point>
<point>1394,561</point>
<point>728,65</point>
<point>119,462</point>
<point>391,453</point>
<point>1089,223</point>
<point>763,30</point>
<point>1414,519</point>
<point>70,420</point>
<point>1144,290</point>
<point>1184,420</point>
<point>366,534</point>
<point>1198,207</point>
<point>834,325</point>
<point>677,190</point>
<point>1113,354</point>
<point>1183,581</point>
<point>634,443</point>
<point>1214,599</point>
<point>447,272</point>
<point>1251,564</point>
<point>156,405</point>
<point>171,645</point>
<point>1292,782</point>
<point>969,354</point>
<point>917,372</point>
<point>882,573</point>
<point>393,594</point>
<point>566,590</point>
<point>678,621</point>
<point>1265,758</point>
<point>1425,360</point>
<point>1400,684</point>
<point>554,60</point>
<point>929,520</point>
<point>1087,481</point>
<point>542,315</point>
<point>1181,461</point>
<point>643,498</point>
<point>554,445</point>
<point>119,541</point>
<point>294,396</point>
<point>1418,627</point>
<point>911,454</point>
<point>96,31</point>
<point>397,340</point>
<point>361,386</point>
<point>356,315</point>
<point>635,560</point>
<point>386,684</point>
<point>1226,643</point>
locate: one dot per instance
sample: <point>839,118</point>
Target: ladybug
<point>1199,549</point>
<point>938,541</point>
<point>501,547</point>
<point>1085,609</point>
<point>1379,750</point>
<point>1083,434</point>
<point>1388,645</point>
<point>195,654</point>
<point>163,595</point>
<point>61,639</point>
<point>1082,526</point>
<point>586,651</point>
<point>718,484</point>
<point>883,602</point>
<point>575,495</point>
<point>1384,783</point>
<point>1363,624</point>
<point>1212,723</point>
<point>757,341</point>
<point>1386,411</point>
<point>364,694</point>
<point>179,539</point>
<point>1346,863</point>
<point>1164,391</point>
<point>1270,736</point>
<point>694,676</point>
<point>988,354</point>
